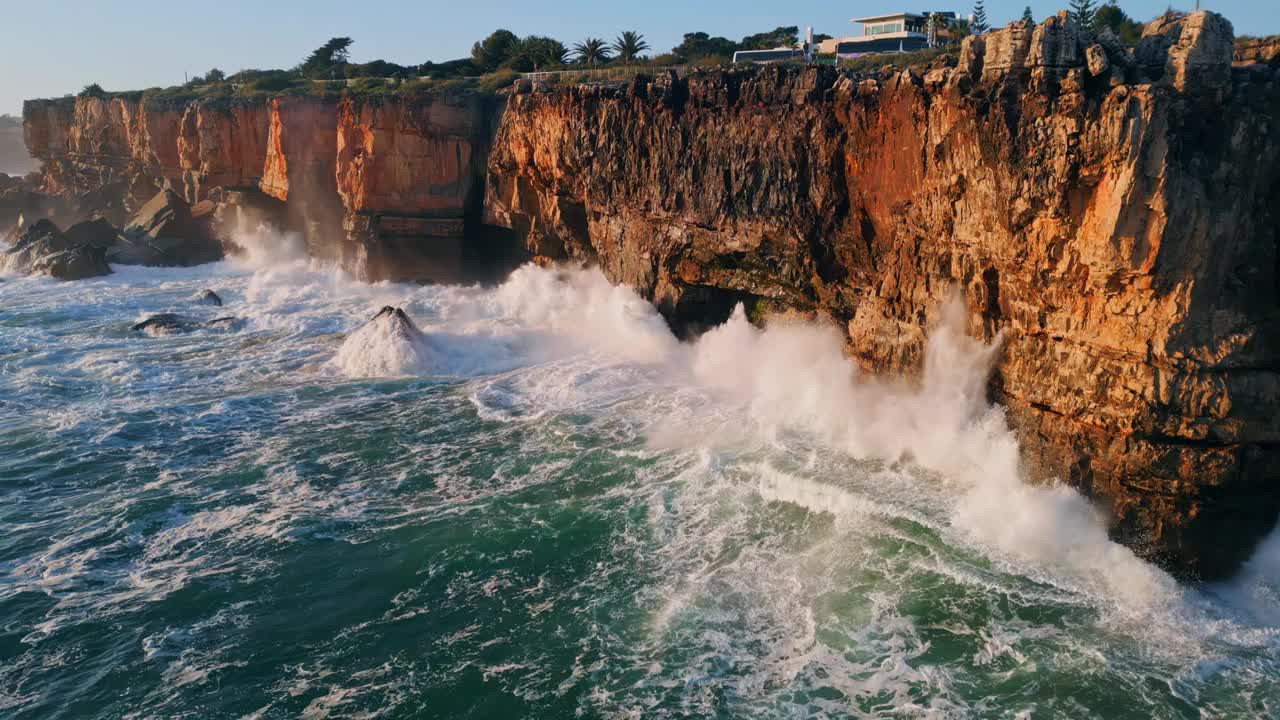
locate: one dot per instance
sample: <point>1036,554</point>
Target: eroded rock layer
<point>1110,213</point>
<point>385,185</point>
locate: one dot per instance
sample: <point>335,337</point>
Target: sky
<point>55,47</point>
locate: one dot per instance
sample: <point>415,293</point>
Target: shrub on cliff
<point>272,81</point>
<point>451,68</point>
<point>707,61</point>
<point>379,69</point>
<point>1111,16</point>
<point>93,90</point>
<point>498,80</point>
<point>870,63</point>
<point>372,85</point>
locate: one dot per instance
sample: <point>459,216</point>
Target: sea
<point>541,504</point>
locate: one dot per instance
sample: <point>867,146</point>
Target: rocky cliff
<point>1257,50</point>
<point>386,184</point>
<point>14,159</point>
<point>1111,213</point>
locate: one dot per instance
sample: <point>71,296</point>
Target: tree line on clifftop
<point>498,58</point>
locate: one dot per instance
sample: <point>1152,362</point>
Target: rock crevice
<point>1111,213</point>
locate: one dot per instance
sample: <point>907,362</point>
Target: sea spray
<point>796,375</point>
<point>576,516</point>
<point>261,246</point>
<point>584,311</point>
<point>389,345</point>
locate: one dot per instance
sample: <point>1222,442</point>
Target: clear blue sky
<point>54,47</point>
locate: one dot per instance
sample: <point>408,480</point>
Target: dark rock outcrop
<point>209,297</point>
<point>79,253</point>
<point>396,318</point>
<point>1111,214</point>
<point>173,324</point>
<point>166,232</point>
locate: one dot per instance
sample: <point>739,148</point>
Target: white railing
<point>612,72</point>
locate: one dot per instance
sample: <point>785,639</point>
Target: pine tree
<point>1026,15</point>
<point>1083,10</point>
<point>979,24</point>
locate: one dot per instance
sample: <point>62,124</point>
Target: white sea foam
<point>902,485</point>
<point>264,247</point>
<point>387,346</point>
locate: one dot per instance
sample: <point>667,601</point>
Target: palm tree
<point>591,51</point>
<point>629,45</point>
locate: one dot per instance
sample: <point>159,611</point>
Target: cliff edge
<point>1110,213</point>
<point>387,185</point>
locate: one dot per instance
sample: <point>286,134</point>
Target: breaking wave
<point>534,500</point>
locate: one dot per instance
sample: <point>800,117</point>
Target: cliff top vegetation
<point>497,59</point>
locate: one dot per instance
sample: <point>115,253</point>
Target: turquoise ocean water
<point>550,508</point>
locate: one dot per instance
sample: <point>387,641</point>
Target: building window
<point>882,28</point>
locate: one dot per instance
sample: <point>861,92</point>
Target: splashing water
<point>389,345</point>
<point>540,504</point>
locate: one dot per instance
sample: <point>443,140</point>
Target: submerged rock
<point>399,318</point>
<point>43,249</point>
<point>174,324</point>
<point>209,297</point>
<point>388,345</point>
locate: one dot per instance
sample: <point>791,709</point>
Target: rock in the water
<point>227,323</point>
<point>166,232</point>
<point>389,345</point>
<point>79,253</point>
<point>209,297</point>
<point>174,324</point>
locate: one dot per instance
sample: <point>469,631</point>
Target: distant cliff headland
<point>14,159</point>
<point>1108,209</point>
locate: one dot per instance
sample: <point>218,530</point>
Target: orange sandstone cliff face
<point>300,150</point>
<point>386,186</point>
<point>411,158</point>
<point>1112,214</point>
<point>219,145</point>
<point>112,155</point>
<point>1109,212</point>
<point>410,175</point>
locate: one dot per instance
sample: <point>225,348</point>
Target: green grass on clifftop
<point>282,85</point>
